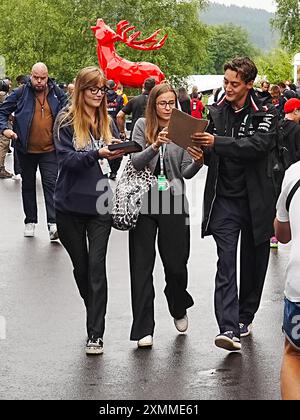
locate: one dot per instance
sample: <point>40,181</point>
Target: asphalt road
<point>42,324</point>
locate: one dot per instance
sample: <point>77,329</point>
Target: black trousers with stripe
<point>230,218</point>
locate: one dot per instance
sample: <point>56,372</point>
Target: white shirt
<point>292,175</point>
<point>211,99</point>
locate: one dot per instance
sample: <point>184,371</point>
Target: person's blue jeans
<point>47,164</point>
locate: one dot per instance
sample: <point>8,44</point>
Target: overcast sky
<point>259,4</point>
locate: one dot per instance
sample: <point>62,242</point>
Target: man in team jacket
<point>239,197</point>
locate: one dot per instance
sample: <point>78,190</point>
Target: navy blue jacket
<point>78,188</point>
<point>22,102</point>
<point>115,103</point>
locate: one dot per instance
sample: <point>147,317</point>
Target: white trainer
<point>52,231</point>
<point>181,324</point>
<point>146,341</point>
<point>29,230</point>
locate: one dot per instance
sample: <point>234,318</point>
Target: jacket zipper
<point>213,201</point>
<point>215,189</point>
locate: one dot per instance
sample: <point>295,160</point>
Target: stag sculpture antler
<point>117,68</point>
<point>147,44</point>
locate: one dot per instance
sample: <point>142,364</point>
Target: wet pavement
<point>42,324</point>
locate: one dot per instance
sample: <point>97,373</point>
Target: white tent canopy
<point>296,67</point>
<point>205,82</point>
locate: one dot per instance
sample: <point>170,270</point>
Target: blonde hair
<point>152,126</point>
<point>77,115</point>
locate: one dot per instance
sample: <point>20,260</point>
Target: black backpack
<point>281,144</point>
<point>279,158</point>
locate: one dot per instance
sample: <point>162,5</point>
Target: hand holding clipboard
<point>182,126</point>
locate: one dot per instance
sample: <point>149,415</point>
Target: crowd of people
<point>66,135</point>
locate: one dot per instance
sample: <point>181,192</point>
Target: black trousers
<point>230,217</point>
<point>85,239</point>
<point>174,248</point>
<point>47,164</point>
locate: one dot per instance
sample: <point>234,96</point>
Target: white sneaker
<point>29,230</point>
<point>146,341</point>
<point>52,231</point>
<point>17,177</point>
<point>181,324</point>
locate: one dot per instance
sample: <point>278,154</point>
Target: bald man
<point>70,90</point>
<point>35,106</point>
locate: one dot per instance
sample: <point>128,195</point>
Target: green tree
<point>58,33</point>
<point>275,66</point>
<point>287,20</point>
<point>224,43</point>
<point>55,32</point>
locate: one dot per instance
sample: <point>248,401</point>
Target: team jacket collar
<point>252,99</point>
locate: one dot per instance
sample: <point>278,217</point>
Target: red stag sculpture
<point>122,71</point>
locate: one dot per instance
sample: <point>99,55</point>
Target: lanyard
<point>161,158</point>
<point>96,144</point>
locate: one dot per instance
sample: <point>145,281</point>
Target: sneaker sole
<point>30,235</point>
<point>245,334</point>
<point>227,344</point>
<point>146,345</point>
<point>181,330</point>
<point>94,350</point>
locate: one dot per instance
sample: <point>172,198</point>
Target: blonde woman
<point>82,134</point>
<point>166,217</point>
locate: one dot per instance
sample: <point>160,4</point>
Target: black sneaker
<point>228,341</point>
<point>245,329</point>
<point>94,346</point>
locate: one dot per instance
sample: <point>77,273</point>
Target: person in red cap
<point>291,128</point>
<point>291,138</point>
